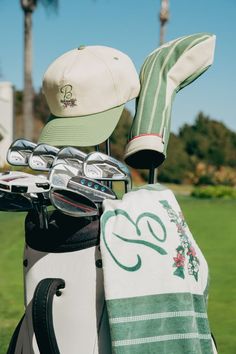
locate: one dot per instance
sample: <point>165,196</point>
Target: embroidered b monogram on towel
<point>150,219</point>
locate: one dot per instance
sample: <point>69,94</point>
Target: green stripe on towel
<point>143,305</point>
<point>158,315</point>
<point>191,344</point>
<point>161,326</point>
<point>165,323</point>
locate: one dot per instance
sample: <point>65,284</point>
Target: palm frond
<point>49,4</point>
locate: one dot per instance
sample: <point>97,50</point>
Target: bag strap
<point>14,338</point>
<point>42,314</point>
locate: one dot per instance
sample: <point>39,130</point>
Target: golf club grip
<point>42,314</point>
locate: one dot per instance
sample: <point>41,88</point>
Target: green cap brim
<point>87,130</point>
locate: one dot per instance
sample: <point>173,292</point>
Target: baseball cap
<point>86,89</point>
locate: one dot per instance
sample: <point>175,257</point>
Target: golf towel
<point>155,276</point>
<point>165,71</point>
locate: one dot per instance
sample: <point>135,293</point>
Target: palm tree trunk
<point>162,34</point>
<point>164,18</point>
<point>28,116</point>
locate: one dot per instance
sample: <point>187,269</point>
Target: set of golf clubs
<point>76,183</point>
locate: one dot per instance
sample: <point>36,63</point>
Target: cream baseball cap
<point>86,90</point>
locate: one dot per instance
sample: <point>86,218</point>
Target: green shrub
<point>225,192</point>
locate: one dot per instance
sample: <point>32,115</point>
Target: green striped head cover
<point>165,71</point>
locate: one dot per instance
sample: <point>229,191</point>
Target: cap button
<point>81,47</point>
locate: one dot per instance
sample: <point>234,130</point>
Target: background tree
<point>28,7</point>
<point>201,153</point>
<point>164,18</point>
<point>41,108</point>
<point>177,163</point>
<point>210,141</point>
<point>120,135</point>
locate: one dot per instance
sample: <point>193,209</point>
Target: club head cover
<point>165,71</point>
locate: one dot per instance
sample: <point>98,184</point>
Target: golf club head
<point>14,202</point>
<point>42,157</point>
<point>105,168</point>
<point>90,188</point>
<point>6,178</point>
<point>19,152</point>
<point>20,182</point>
<point>70,156</point>
<point>72,203</point>
<point>60,174</point>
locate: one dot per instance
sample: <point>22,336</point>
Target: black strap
<point>12,345</point>
<point>42,314</point>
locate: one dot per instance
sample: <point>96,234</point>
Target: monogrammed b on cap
<point>86,90</point>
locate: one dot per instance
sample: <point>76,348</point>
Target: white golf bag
<point>65,309</point>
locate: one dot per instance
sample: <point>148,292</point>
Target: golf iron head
<point>19,152</point>
<point>65,176</point>
<point>21,191</point>
<point>91,188</point>
<point>105,168</point>
<point>42,157</point>
<point>60,174</point>
<point>70,156</point>
<point>21,182</point>
<point>72,203</point>
<point>69,202</point>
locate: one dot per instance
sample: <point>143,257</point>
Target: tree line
<point>200,153</point>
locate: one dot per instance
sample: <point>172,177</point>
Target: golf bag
<point>65,310</point>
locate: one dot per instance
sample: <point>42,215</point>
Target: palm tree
<point>28,7</point>
<point>164,18</point>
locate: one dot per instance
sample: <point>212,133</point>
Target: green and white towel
<point>165,71</point>
<point>155,276</point>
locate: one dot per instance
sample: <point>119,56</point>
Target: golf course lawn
<point>213,224</point>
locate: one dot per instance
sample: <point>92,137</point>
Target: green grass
<point>213,224</point>
<point>11,281</point>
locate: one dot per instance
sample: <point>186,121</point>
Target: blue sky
<point>131,26</point>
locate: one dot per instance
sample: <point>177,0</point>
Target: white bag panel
<point>77,312</point>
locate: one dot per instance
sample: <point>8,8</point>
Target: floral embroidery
<point>185,249</point>
<point>69,103</point>
<point>179,260</point>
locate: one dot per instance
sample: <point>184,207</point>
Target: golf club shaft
<point>108,152</point>
<point>152,175</point>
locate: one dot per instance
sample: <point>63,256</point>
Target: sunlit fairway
<point>11,281</point>
<point>213,224</point>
